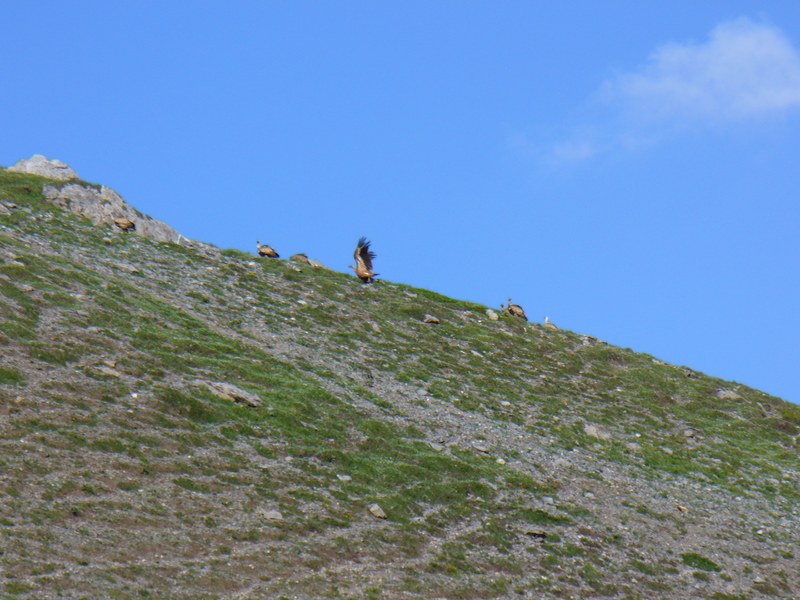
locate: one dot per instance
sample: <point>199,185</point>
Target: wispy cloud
<point>745,70</point>
<point>574,151</point>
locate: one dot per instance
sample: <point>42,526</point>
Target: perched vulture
<point>266,250</point>
<point>301,258</point>
<point>125,224</point>
<point>548,324</point>
<point>515,310</point>
<point>364,257</point>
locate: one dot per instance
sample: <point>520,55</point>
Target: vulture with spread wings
<point>364,257</point>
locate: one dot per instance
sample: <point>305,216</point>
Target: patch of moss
<point>11,376</point>
<point>698,561</point>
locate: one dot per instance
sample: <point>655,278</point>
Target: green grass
<point>238,254</point>
<point>11,376</point>
<point>692,559</point>
<point>327,441</point>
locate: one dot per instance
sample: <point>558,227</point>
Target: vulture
<point>364,257</point>
<point>548,324</point>
<point>301,258</point>
<point>516,310</point>
<point>125,224</point>
<point>266,250</point>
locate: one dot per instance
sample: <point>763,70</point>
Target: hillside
<point>509,460</point>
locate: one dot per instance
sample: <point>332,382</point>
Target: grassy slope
<point>476,437</point>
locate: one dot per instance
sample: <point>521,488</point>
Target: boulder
<point>377,511</point>
<point>41,165</point>
<point>596,431</point>
<point>104,206</point>
<point>100,204</point>
<point>232,393</point>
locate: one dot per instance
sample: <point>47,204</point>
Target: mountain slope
<point>510,460</point>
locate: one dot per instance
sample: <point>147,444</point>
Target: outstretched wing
<point>363,255</point>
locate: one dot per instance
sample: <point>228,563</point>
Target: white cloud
<point>573,151</point>
<point>744,70</point>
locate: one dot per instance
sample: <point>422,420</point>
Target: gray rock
<point>431,319</point>
<point>535,533</point>
<point>596,431</point>
<point>316,264</point>
<point>270,515</point>
<point>41,165</point>
<point>102,205</point>
<point>230,392</point>
<point>127,268</point>
<point>377,511</point>
<point>110,371</point>
<point>493,316</point>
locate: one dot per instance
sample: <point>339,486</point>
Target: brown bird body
<point>301,258</point>
<point>364,257</point>
<point>125,224</point>
<point>549,325</point>
<point>266,250</point>
<point>515,310</point>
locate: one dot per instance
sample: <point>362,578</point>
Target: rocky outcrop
<point>41,165</point>
<point>101,204</point>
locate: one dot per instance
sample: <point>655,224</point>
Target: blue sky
<point>628,168</point>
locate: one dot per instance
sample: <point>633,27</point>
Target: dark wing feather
<point>363,255</point>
